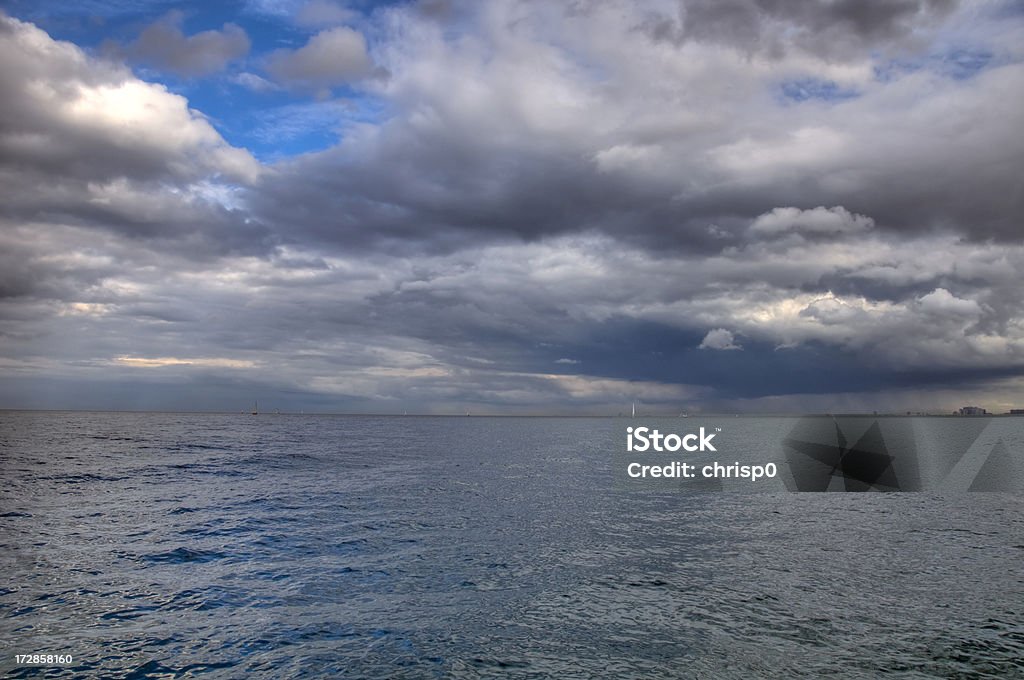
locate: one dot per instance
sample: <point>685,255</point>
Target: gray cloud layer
<point>833,28</point>
<point>332,57</point>
<point>643,140</point>
<point>565,208</point>
<point>165,46</point>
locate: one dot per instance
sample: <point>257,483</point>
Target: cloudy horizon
<point>512,207</point>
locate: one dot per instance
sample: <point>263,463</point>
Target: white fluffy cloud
<point>84,144</point>
<point>719,338</point>
<point>820,220</point>
<point>65,112</point>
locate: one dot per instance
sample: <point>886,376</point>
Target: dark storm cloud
<point>825,27</point>
<point>29,268</point>
<point>489,326</point>
<point>430,196</point>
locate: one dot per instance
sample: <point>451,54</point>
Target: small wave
<point>499,663</point>
<point>206,599</point>
<point>183,555</point>
<point>86,478</point>
<point>157,669</point>
<point>181,510</point>
<point>129,613</point>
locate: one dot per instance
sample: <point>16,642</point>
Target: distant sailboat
<point>634,409</point>
<point>256,408</point>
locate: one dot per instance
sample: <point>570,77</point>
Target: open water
<point>169,545</point>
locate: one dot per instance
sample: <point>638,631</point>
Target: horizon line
<point>624,415</point>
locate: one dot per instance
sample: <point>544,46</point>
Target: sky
<point>512,206</point>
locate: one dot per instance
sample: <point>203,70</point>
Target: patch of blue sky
<point>807,89</point>
<point>37,11</point>
<point>93,23</point>
<point>292,128</point>
<point>289,8</point>
<point>274,8</point>
<point>96,23</point>
<point>893,69</point>
<point>958,63</point>
<point>962,64</point>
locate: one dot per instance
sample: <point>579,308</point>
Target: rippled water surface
<point>163,545</point>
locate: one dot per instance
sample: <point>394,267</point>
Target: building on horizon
<point>972,411</point>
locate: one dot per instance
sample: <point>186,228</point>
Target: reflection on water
<point>155,545</point>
